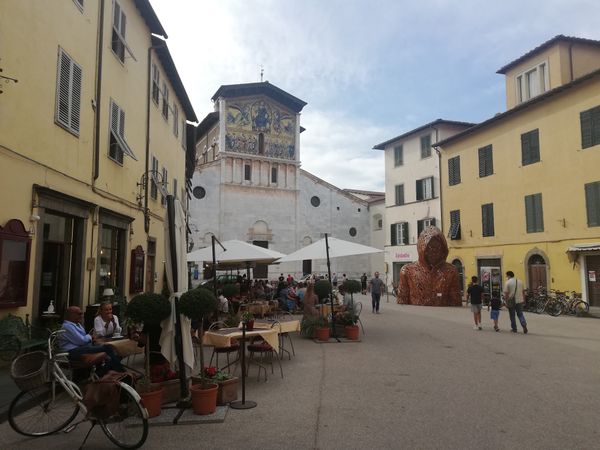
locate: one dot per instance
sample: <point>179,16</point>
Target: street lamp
<point>157,178</point>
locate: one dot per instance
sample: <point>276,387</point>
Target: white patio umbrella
<point>235,252</point>
<point>328,248</point>
<point>337,248</point>
<point>176,270</point>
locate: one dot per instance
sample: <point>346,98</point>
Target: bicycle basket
<point>30,370</point>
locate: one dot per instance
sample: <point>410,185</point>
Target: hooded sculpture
<point>431,281</point>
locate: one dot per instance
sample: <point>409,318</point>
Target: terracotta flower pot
<point>352,332</point>
<point>322,333</point>
<point>204,399</point>
<point>228,391</point>
<point>152,400</point>
<point>249,325</point>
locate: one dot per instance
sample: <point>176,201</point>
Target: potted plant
<point>352,287</point>
<point>151,310</point>
<point>322,329</point>
<point>248,318</point>
<point>349,320</point>
<point>228,384</point>
<point>198,304</point>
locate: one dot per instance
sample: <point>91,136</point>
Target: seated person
<point>106,324</point>
<point>223,302</point>
<point>292,299</point>
<point>348,303</point>
<point>77,342</point>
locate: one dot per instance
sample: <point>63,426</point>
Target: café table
<point>123,346</point>
<point>224,336</point>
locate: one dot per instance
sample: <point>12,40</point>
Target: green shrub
<point>230,290</point>
<point>151,309</point>
<point>322,289</point>
<point>352,286</point>
<point>198,303</point>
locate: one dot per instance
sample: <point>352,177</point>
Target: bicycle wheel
<point>579,307</point>
<point>129,427</point>
<point>38,413</point>
<point>554,308</point>
<point>540,306</point>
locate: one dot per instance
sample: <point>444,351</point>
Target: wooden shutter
<point>454,224</point>
<point>485,161</point>
<point>420,226</point>
<point>529,213</point>
<point>454,170</point>
<point>68,95</point>
<point>121,122</point>
<point>404,228</point>
<point>586,128</point>
<point>393,239</point>
<point>530,147</point>
<point>400,194</point>
<point>420,189</point>
<point>487,219</point>
<point>592,203</point>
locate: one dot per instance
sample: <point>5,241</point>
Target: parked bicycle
<point>50,401</point>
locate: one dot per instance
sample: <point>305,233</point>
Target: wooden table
<point>224,336</point>
<point>123,347</point>
<point>284,326</point>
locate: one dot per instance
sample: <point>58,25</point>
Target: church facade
<point>248,184</point>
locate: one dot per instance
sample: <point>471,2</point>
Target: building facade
<point>248,184</point>
<point>98,105</point>
<point>412,186</point>
<point>521,191</point>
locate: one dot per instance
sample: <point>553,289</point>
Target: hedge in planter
<point>322,289</point>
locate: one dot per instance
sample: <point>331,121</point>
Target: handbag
<point>511,301</point>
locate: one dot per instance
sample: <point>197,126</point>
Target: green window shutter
<point>487,219</point>
<point>404,226</point>
<point>486,167</point>
<point>454,170</point>
<point>586,128</point>
<point>534,146</point>
<point>420,226</point>
<point>596,125</point>
<point>530,213</point>
<point>419,190</point>
<point>525,149</point>
<point>539,212</point>
<point>393,239</point>
<point>592,203</point>
<point>400,194</point>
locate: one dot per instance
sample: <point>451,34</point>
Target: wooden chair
<point>264,350</point>
<point>234,348</point>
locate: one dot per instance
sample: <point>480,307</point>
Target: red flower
<point>210,371</point>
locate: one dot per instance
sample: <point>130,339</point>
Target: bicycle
<point>50,401</point>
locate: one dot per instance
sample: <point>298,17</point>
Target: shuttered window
<point>426,146</point>
<point>118,32</point>
<point>155,83</point>
<point>454,170</point>
<point>530,147</point>
<point>183,133</point>
<point>425,189</point>
<point>117,145</point>
<point>424,223</point>
<point>486,161</point>
<point>592,203</point>
<point>454,232</point>
<point>176,120</point>
<point>165,101</point>
<point>534,215</point>
<point>487,219</point>
<point>164,192</point>
<point>68,93</point>
<point>399,194</point>
<point>274,175</point>
<point>247,172</point>
<point>153,181</point>
<point>399,233</point>
<point>590,127</point>
<point>398,156</point>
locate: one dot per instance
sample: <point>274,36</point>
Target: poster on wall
<point>592,275</point>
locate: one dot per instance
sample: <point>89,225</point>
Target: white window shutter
<point>64,88</point>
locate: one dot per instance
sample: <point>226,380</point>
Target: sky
<point>369,70</point>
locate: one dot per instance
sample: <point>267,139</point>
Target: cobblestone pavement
<point>420,378</point>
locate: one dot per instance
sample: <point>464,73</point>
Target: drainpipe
<point>97,100</point>
<point>439,153</point>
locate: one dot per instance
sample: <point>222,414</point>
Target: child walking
<point>496,303</point>
<point>474,295</point>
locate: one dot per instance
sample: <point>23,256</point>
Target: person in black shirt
<point>474,295</point>
<point>496,303</point>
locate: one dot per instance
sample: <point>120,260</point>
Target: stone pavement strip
<point>421,378</point>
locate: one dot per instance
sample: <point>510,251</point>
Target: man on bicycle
<point>77,342</point>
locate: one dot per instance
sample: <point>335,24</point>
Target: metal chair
<point>234,348</point>
<point>282,336</point>
<point>264,349</point>
<point>357,311</point>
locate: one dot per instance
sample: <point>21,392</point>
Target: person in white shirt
<point>106,324</point>
<point>223,302</point>
<point>514,298</point>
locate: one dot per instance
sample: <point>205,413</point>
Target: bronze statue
<point>430,281</point>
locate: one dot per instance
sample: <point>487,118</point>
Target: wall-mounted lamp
<point>34,218</point>
<point>157,178</point>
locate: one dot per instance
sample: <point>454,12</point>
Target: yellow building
<point>93,134</point>
<point>521,191</point>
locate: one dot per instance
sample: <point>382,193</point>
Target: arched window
<point>261,144</point>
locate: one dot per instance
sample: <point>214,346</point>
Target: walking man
<point>474,295</point>
<point>513,296</point>
<point>376,286</point>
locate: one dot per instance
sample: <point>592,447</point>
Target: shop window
<point>15,249</point>
<point>111,259</point>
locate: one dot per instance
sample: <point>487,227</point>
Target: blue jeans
<point>375,296</point>
<point>518,309</point>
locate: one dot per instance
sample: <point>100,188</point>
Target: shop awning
<point>574,250</point>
